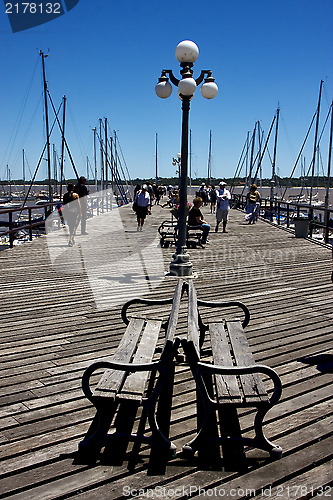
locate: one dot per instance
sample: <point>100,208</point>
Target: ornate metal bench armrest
<point>142,301</point>
<point>113,365</point>
<point>243,370</point>
<point>228,304</point>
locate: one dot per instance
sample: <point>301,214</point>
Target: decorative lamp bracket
<point>173,79</point>
<point>204,72</point>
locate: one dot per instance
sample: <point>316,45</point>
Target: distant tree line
<point>239,181</point>
<point>174,181</point>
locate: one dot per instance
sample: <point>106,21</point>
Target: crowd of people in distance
<point>75,205</point>
<point>218,198</point>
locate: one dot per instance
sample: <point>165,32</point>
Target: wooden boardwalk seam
<point>54,324</point>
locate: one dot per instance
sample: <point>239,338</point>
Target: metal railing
<point>283,213</point>
<point>29,222</point>
<point>33,217</point>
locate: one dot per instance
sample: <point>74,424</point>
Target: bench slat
<point>135,383</point>
<point>173,319</point>
<point>226,385</point>
<point>192,320</point>
<point>252,385</point>
<point>111,380</point>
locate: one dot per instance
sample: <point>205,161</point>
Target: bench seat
<point>234,375</point>
<point>137,374</point>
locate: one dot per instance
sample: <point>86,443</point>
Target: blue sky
<point>106,57</point>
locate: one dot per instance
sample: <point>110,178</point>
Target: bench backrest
<point>192,343</point>
<point>173,319</point>
<point>138,346</point>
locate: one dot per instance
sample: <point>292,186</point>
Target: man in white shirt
<point>222,206</point>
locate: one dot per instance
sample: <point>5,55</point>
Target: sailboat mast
<point>209,169</point>
<point>329,161</point>
<point>55,176</point>
<point>249,180</point>
<point>315,142</point>
<point>88,170</point>
<point>190,158</point>
<point>47,128</point>
<point>62,145</point>
<point>112,164</point>
<point>106,152</point>
<point>156,162</point>
<point>23,167</point>
<point>274,154</point>
<point>101,153</point>
<point>95,160</point>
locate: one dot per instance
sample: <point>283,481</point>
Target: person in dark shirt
<point>71,211</point>
<point>82,190</point>
<point>195,218</point>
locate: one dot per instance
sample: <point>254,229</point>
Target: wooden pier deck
<point>59,312</point>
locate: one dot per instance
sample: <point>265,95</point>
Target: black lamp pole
<point>186,53</point>
<point>181,265</point>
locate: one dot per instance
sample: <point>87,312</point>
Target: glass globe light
<point>209,90</point>
<point>163,89</point>
<point>187,51</point>
<point>179,96</point>
<point>187,86</point>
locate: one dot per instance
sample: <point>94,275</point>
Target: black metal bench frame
<point>236,384</point>
<point>117,383</point>
<point>168,232</point>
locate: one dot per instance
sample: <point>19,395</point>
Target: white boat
<point>7,206</point>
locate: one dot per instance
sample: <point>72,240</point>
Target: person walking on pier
<point>252,205</point>
<point>222,206</point>
<point>212,196</point>
<point>82,190</point>
<point>71,211</point>
<point>143,206</point>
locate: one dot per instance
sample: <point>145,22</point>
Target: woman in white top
<point>143,206</point>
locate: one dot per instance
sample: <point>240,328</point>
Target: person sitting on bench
<point>195,218</point>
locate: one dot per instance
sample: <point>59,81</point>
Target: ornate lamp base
<point>181,265</point>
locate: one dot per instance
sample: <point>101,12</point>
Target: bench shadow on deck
<point>55,324</point>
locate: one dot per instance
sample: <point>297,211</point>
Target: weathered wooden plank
<point>112,379</point>
<point>226,385</point>
<point>134,385</point>
<point>192,321</point>
<point>253,387</point>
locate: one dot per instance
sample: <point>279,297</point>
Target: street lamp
<point>187,53</point>
<point>177,162</point>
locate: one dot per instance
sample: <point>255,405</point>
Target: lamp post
<point>177,161</point>
<point>187,53</point>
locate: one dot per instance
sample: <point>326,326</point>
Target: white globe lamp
<point>187,51</point>
<point>209,90</point>
<point>187,86</point>
<point>163,90</point>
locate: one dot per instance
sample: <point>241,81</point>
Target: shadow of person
<point>324,362</point>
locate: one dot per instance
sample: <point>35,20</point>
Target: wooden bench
<point>126,376</point>
<point>238,381</point>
